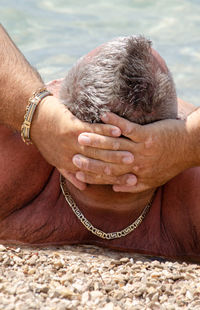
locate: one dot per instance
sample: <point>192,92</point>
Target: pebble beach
<point>89,277</point>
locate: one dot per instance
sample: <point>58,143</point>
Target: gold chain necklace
<point>96,231</point>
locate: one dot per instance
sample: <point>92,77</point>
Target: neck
<point>101,201</point>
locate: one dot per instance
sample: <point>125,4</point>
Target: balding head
<point>125,76</point>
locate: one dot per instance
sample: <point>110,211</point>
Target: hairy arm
<point>19,164</point>
<point>54,129</point>
<point>18,80</point>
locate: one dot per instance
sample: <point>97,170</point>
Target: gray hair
<point>122,77</point>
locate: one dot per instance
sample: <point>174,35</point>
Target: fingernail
<point>128,159</point>
<point>116,132</point>
<point>84,139</point>
<point>131,180</point>
<point>80,176</point>
<point>104,117</point>
<point>76,161</point>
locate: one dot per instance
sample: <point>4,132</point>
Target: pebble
<point>32,260</point>
<point>109,306</point>
<point>2,248</point>
<point>63,292</point>
<point>42,289</point>
<point>124,260</point>
<point>87,277</point>
<point>85,297</point>
<point>17,250</point>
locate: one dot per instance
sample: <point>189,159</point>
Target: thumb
<point>131,130</point>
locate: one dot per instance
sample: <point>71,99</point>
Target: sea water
<point>53,34</point>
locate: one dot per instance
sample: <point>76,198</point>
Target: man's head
<point>125,76</point>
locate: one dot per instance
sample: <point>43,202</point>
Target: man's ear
<point>185,108</point>
<point>54,87</point>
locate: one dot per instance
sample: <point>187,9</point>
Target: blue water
<point>52,34</point>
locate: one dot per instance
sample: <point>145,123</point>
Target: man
<point>163,221</point>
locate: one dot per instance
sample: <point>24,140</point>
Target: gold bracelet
<point>33,102</point>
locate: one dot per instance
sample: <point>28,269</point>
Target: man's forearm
<point>193,129</point>
<point>18,80</point>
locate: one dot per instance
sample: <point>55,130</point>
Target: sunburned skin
<point>41,215</point>
<point>34,211</point>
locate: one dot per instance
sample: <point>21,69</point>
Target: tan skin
<point>33,209</point>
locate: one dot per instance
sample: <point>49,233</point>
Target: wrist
<point>44,118</point>
<point>33,103</point>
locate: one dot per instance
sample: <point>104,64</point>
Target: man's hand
<point>55,133</point>
<point>160,150</point>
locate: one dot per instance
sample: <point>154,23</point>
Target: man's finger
<point>99,167</point>
<point>131,130</point>
<point>104,129</point>
<point>130,189</point>
<point>114,157</point>
<point>106,143</point>
<point>100,179</point>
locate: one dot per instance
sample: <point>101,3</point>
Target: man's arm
<point>54,129</point>
<point>18,80</point>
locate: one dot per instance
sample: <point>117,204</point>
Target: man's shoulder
<point>182,193</point>
<point>189,178</point>
<point>179,202</point>
<point>181,196</point>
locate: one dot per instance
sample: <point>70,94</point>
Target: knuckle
<point>107,170</point>
<point>119,181</point>
<point>82,149</point>
<point>103,129</point>
<point>115,145</point>
<point>114,180</point>
<point>98,177</point>
<point>136,169</point>
<point>97,142</point>
<point>93,153</point>
<point>86,164</point>
<point>128,129</point>
<point>96,128</point>
<point>113,157</point>
<point>88,178</point>
<point>149,142</point>
<point>118,158</point>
